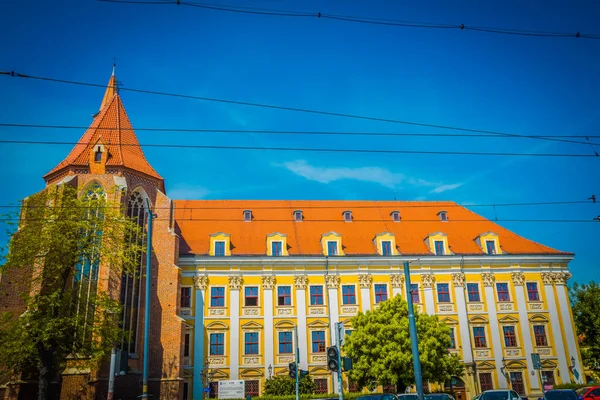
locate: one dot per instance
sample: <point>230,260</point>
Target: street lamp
<point>270,369</point>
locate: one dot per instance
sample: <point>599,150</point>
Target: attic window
<point>98,154</point>
<point>396,216</point>
<point>298,215</point>
<point>247,215</point>
<point>348,216</point>
<point>443,216</point>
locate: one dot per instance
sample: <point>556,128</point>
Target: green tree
<point>284,385</point>
<point>585,302</point>
<point>65,245</point>
<point>380,347</point>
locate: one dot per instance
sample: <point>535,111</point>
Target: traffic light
<point>332,359</point>
<point>346,364</point>
<point>293,370</point>
<point>303,373</point>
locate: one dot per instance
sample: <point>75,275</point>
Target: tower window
<point>396,216</point>
<point>348,216</point>
<point>443,216</point>
<point>247,215</point>
<point>98,154</point>
<point>298,216</point>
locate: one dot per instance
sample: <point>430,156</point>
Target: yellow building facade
<point>241,309</point>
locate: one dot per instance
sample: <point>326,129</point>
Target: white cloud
<point>182,191</point>
<point>444,188</point>
<point>381,176</point>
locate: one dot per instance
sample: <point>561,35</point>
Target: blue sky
<point>524,85</point>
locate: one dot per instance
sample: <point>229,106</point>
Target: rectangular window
<point>348,294</point>
<point>251,343</point>
<point>251,296</point>
<point>318,341</point>
<point>219,249</point>
<point>316,295</point>
<point>332,248</point>
<point>386,248</point>
<point>452,339</point>
<point>479,336</point>
<point>298,216</point>
<point>276,248</point>
<point>186,297</point>
<point>284,296</point>
<point>186,345</point>
<point>516,380</point>
<point>217,297</point>
<point>285,342</point>
<point>473,291</point>
<point>414,292</point>
<point>443,292</point>
<point>532,291</point>
<point>539,332</point>
<point>251,388</point>
<point>186,391</point>
<point>502,289</point>
<point>510,339</point>
<point>490,246</point>
<point>439,247</point>
<point>380,293</point>
<point>321,385</point>
<point>216,344</point>
<point>548,377</point>
<point>485,381</point>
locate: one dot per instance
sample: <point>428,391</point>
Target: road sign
<point>206,390</point>
<point>537,362</point>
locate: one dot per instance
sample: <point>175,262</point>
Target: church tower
<point>108,156</point>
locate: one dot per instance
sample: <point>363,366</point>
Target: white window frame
<point>258,298</point>
<point>291,286</point>
<point>387,291</point>
<point>342,294</point>
<point>224,296</point>
<point>337,250</point>
<point>191,296</point>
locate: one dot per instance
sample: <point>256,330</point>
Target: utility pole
<point>111,373</point>
<point>147,302</point>
<point>338,328</point>
<point>413,334</point>
<point>297,357</point>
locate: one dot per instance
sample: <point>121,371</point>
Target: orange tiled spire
<point>111,127</point>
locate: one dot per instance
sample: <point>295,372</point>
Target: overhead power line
<point>285,108</point>
<point>362,20</point>
<point>376,204</point>
<point>318,150</point>
<point>286,132</point>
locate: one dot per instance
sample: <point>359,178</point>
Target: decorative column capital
<point>332,281</point>
<point>235,282</point>
<point>201,282</point>
<point>365,280</point>
<point>268,282</point>
<point>547,278</point>
<point>458,279</point>
<point>561,278</point>
<point>488,279</point>
<point>301,281</point>
<point>397,280</point>
<point>428,280</point>
<point>518,278</point>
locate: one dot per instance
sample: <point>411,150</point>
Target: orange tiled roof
<point>197,219</point>
<point>112,127</point>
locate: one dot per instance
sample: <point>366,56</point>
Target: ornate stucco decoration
<point>365,280</point>
<point>301,282</point>
<point>333,281</point>
<point>458,279</point>
<point>397,280</point>
<point>428,280</point>
<point>488,278</point>
<point>201,282</point>
<point>268,282</point>
<point>518,278</point>
<point>235,282</point>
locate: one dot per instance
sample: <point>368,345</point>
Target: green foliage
<point>380,347</point>
<point>284,386</point>
<point>65,245</point>
<point>585,302</point>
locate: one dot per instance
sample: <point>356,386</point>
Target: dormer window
<point>395,216</point>
<point>98,155</point>
<point>439,247</point>
<point>298,216</point>
<point>247,215</point>
<point>489,243</point>
<point>443,216</point>
<point>490,246</point>
<point>348,216</point>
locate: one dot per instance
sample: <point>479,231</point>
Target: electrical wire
<point>363,20</point>
<point>286,132</point>
<point>285,108</point>
<point>318,150</point>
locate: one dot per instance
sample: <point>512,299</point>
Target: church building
<point>232,280</point>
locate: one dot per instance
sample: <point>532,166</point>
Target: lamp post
<point>270,370</point>
<point>413,333</point>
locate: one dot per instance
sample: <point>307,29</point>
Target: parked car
<point>589,393</point>
<point>379,396</point>
<point>439,396</point>
<point>499,395</point>
<point>410,396</point>
<point>561,394</point>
